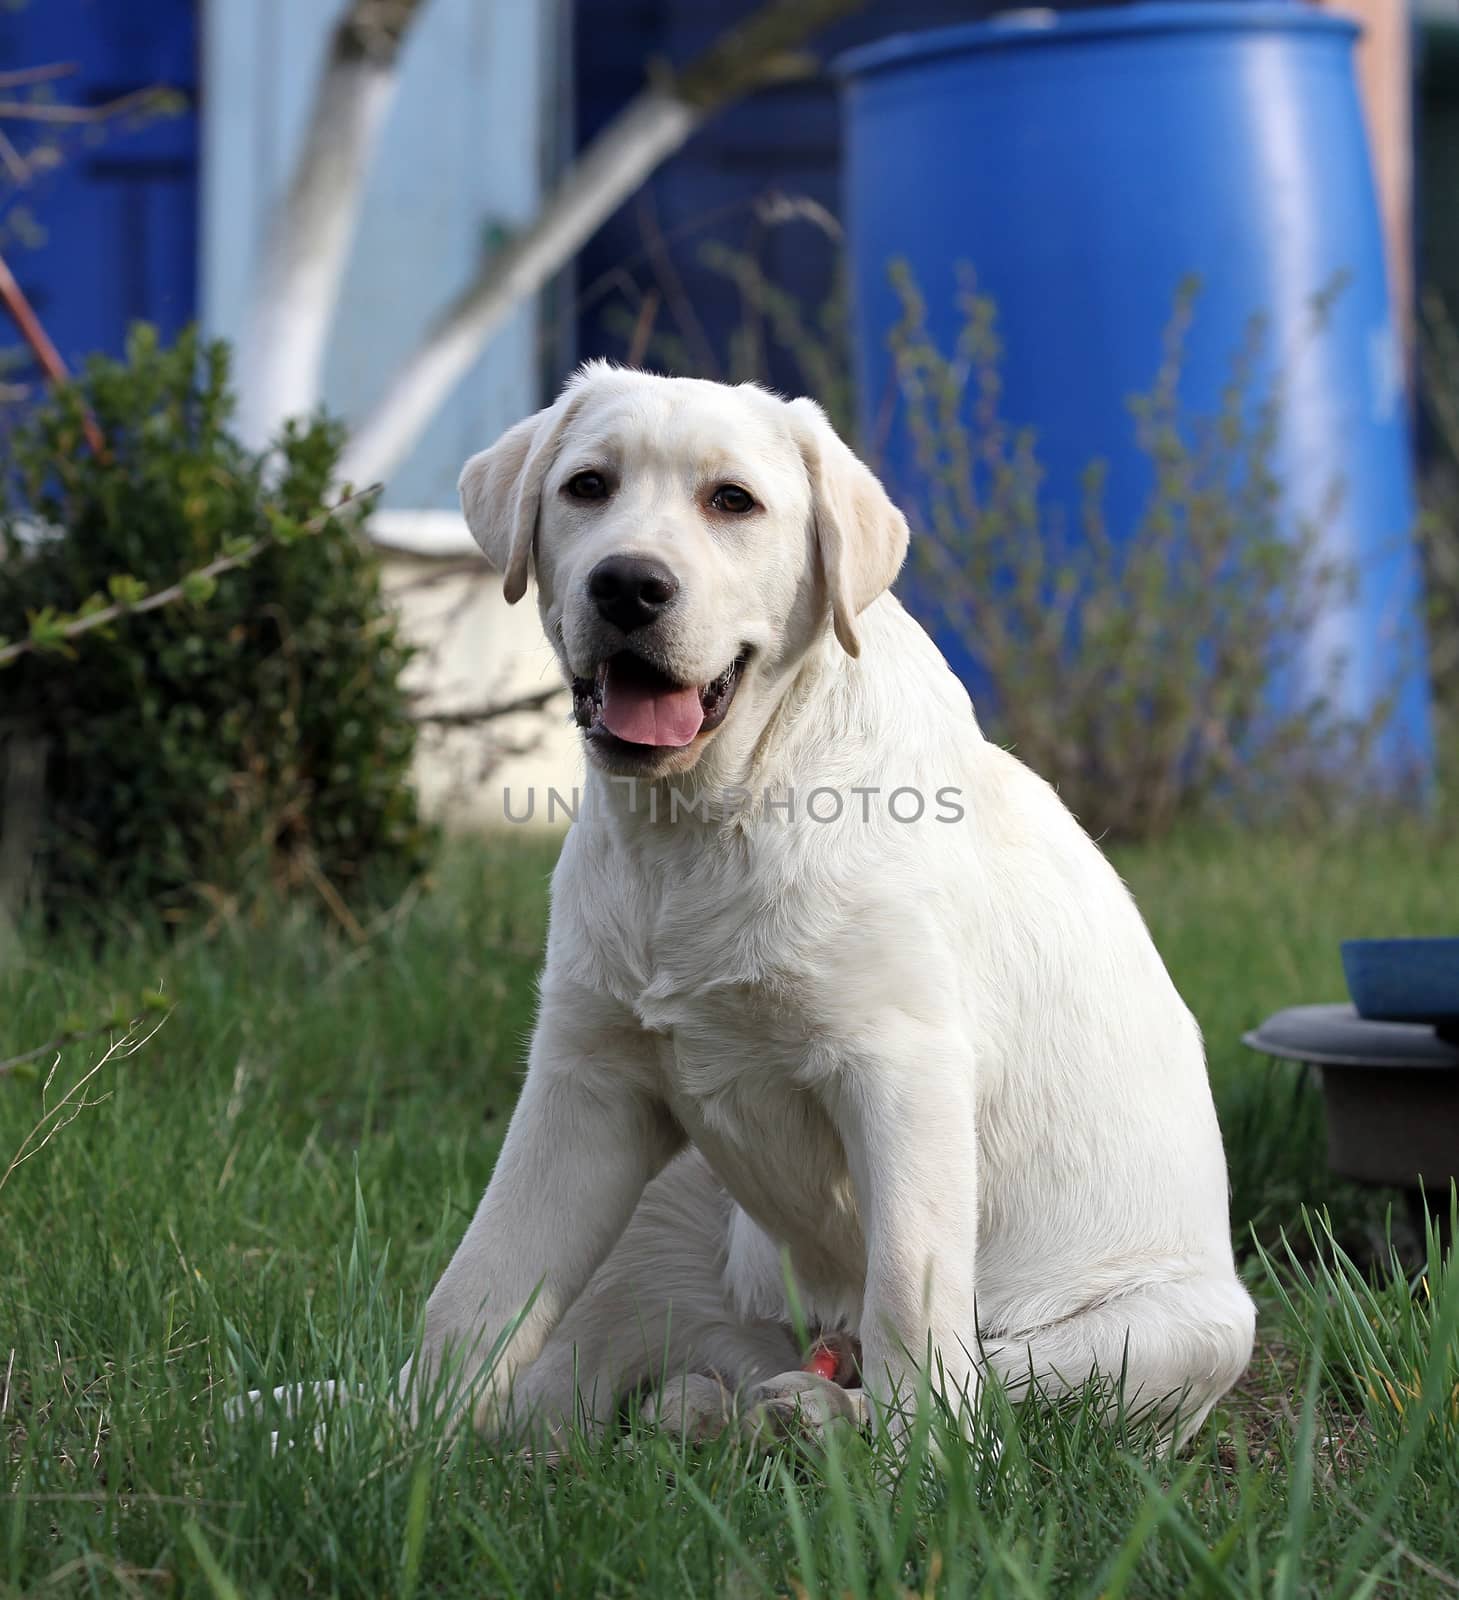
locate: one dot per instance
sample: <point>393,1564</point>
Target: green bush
<point>255,733</point>
<point>1128,666</point>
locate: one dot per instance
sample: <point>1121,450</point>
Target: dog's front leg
<point>906,1120</point>
<point>587,1134</point>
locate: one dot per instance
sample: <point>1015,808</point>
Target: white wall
<point>477,650</point>
<point>463,151</point>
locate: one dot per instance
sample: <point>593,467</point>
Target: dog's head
<point>691,542</point>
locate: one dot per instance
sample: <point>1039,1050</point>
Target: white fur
<point>939,1063</point>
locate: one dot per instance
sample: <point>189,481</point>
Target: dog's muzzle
<point>631,701</point>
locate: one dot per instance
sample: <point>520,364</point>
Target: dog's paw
<point>693,1408</point>
<point>802,1406</point>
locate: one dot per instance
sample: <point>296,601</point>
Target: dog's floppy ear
<point>501,492</point>
<point>861,537</point>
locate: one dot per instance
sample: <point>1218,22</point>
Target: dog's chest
<point>734,1023</point>
<point>743,1075</point>
<point>694,945</point>
<point>728,987</point>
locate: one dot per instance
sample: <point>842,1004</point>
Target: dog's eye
<point>587,486</point>
<point>730,497</point>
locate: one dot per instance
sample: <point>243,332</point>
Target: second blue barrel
<point>1084,167</point>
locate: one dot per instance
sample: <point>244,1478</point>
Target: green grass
<point>266,1190</point>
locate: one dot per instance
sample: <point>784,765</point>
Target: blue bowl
<point>1403,980</point>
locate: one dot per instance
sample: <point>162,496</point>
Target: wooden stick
<point>40,343</point>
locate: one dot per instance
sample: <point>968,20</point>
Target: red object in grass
<point>824,1361</point>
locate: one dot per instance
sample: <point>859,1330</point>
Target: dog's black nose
<point>630,591</point>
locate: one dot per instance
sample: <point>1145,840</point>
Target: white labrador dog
<point>834,987</point>
<point>831,981</point>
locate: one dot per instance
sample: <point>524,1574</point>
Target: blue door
<point>109,233</point>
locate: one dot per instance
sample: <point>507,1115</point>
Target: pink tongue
<point>643,715</point>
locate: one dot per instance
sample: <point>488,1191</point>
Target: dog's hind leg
<point>656,1316</point>
<point>1171,1349</point>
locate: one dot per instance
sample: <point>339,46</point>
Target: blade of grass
<point>731,1540</point>
<point>415,1526</point>
<point>219,1582</point>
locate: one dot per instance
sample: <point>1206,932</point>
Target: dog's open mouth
<point>638,704</point>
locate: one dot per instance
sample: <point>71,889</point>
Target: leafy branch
<point>124,1018</point>
<point>51,630</point>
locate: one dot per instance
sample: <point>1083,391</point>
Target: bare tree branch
<point>48,358</point>
<point>22,76</point>
<point>538,700</point>
<point>15,163</point>
<point>296,288</point>
<point>46,111</point>
<point>444,572</point>
<point>643,328</point>
<point>644,134</point>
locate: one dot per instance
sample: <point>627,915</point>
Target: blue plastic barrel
<point>1083,166</point>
